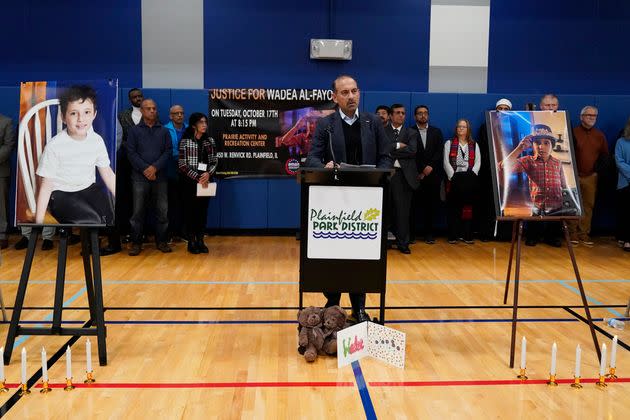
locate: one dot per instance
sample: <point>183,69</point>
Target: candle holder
<point>611,373</point>
<point>552,380</point>
<point>602,382</point>
<point>45,388</point>
<point>69,386</point>
<point>3,387</point>
<point>24,390</point>
<point>89,378</point>
<point>576,383</point>
<point>522,376</point>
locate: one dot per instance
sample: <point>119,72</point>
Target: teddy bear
<point>311,336</point>
<point>334,320</point>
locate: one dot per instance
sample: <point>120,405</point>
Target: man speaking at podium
<point>354,138</point>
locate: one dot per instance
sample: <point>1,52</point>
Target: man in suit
<point>128,118</point>
<point>357,138</point>
<point>7,141</point>
<point>428,164</point>
<point>404,143</point>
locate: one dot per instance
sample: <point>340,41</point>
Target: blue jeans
<point>157,192</point>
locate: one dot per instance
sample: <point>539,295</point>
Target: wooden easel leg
<point>60,280</point>
<point>382,317</point>
<point>86,251</point>
<point>517,273</point>
<point>21,294</point>
<point>509,270</point>
<point>98,299</point>
<point>567,238</point>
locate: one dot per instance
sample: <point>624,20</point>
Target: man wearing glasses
<point>590,146</point>
<point>351,137</point>
<point>175,127</point>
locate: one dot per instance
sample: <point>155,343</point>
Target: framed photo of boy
<point>533,164</point>
<point>66,158</point>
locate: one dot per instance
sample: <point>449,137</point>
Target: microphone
<point>330,144</point>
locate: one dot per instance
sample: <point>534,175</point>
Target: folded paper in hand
<point>208,191</point>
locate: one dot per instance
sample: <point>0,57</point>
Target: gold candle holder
<point>69,386</point>
<point>611,373</point>
<point>522,376</point>
<point>24,390</point>
<point>602,382</point>
<point>3,387</point>
<point>45,388</point>
<point>552,380</point>
<point>89,378</point>
<point>576,383</point>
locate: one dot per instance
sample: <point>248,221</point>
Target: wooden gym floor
<point>214,336</point>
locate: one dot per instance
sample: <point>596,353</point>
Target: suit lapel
<point>339,142</point>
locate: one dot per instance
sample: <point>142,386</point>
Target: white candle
<point>88,355</point>
<point>44,366</point>
<point>2,378</point>
<point>613,353</point>
<point>523,353</point>
<point>68,363</point>
<point>602,363</point>
<point>23,365</point>
<point>578,359</point>
<point>554,351</point>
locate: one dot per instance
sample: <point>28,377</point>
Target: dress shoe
<point>47,245</point>
<point>4,243</point>
<point>192,247</point>
<point>110,250</point>
<point>203,249</point>
<point>404,249</point>
<point>135,249</point>
<point>361,316</point>
<point>22,243</point>
<point>163,246</point>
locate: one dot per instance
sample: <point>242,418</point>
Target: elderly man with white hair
<point>590,146</point>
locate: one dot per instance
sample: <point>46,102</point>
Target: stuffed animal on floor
<point>311,336</point>
<point>334,320</point>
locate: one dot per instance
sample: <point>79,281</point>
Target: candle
<point>44,366</point>
<point>23,365</point>
<point>68,363</point>
<point>2,378</point>
<point>602,363</point>
<point>578,357</point>
<point>554,351</point>
<point>523,353</point>
<point>88,355</point>
<point>613,353</point>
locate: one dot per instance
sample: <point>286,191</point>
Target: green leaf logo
<point>371,214</point>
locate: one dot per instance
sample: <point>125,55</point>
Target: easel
<point>93,285</point>
<point>517,237</point>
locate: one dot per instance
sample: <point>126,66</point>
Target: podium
<point>343,220</point>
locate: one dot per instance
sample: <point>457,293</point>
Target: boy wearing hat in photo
<point>544,172</point>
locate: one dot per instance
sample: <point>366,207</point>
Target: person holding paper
<point>196,163</point>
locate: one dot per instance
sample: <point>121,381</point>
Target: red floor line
<point>185,385</point>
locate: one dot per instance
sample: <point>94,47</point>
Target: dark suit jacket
<point>7,141</point>
<point>430,155</point>
<point>375,145</point>
<point>407,155</point>
<point>125,120</point>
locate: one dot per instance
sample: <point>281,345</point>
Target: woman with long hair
<point>622,160</point>
<point>196,163</point>
<point>462,160</point>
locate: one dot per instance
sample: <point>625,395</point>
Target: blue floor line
<point>368,407</point>
<point>49,317</point>
<point>285,283</point>
<point>275,322</point>
<point>590,299</point>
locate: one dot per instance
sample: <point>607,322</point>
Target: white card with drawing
<point>370,339</point>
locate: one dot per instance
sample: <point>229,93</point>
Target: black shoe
<point>47,245</point>
<point>361,316</point>
<point>74,239</point>
<point>203,249</point>
<point>404,249</point>
<point>4,243</point>
<point>110,250</point>
<point>126,239</point>
<point>22,243</point>
<point>429,240</point>
<point>554,242</point>
<point>412,241</point>
<point>531,242</point>
<point>135,249</point>
<point>163,246</point>
<point>192,247</point>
